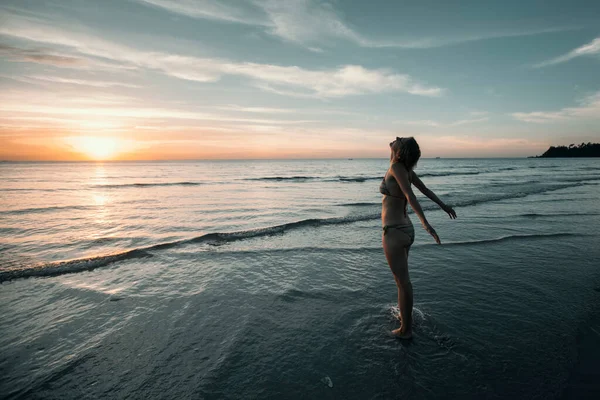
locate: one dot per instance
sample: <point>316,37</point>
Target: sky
<point>245,79</point>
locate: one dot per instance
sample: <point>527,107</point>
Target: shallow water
<point>259,279</point>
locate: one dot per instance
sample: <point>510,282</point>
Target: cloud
<point>344,81</point>
<point>69,81</point>
<point>260,110</point>
<point>143,113</point>
<point>209,9</point>
<point>589,109</point>
<point>40,56</point>
<point>310,23</point>
<point>436,124</point>
<point>468,121</point>
<point>46,111</point>
<point>305,22</point>
<point>299,21</point>
<point>286,80</point>
<point>591,48</point>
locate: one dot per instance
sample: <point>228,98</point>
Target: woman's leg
<point>395,246</point>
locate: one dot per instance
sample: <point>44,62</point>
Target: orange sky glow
<point>161,80</point>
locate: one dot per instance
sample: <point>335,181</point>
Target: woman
<point>398,231</point>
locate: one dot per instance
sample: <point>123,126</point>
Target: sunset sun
<point>95,148</point>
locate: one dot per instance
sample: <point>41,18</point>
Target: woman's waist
<point>394,201</point>
<point>387,221</point>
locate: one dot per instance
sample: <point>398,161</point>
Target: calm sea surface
<point>266,279</point>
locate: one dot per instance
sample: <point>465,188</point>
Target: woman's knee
<point>402,280</point>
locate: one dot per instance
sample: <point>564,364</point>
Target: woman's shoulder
<point>399,167</point>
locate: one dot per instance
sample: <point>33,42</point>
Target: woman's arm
<point>425,190</point>
<point>401,175</point>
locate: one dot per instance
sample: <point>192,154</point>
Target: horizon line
<point>258,159</point>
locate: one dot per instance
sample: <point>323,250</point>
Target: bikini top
<point>383,189</point>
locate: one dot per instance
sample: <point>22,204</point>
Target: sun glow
<point>96,148</point>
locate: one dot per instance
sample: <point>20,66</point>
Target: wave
<point>219,238</point>
<point>303,178</point>
<point>316,249</point>
<point>36,210</point>
<point>315,178</point>
<point>222,238</point>
<point>350,178</point>
<point>434,174</point>
<point>528,191</point>
<point>149,184</point>
<point>574,214</point>
<point>215,239</point>
<point>464,203</point>
<point>282,178</point>
<point>360,204</point>
<point>536,215</point>
<point>507,238</point>
<point>514,195</point>
<point>356,179</point>
<point>71,266</point>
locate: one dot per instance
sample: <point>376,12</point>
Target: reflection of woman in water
<point>398,231</point>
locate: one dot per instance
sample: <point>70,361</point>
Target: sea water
<point>266,279</point>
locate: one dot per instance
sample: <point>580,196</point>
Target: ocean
<point>267,280</point>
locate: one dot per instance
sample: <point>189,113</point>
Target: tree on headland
<point>583,150</point>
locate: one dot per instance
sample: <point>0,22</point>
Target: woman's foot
<point>402,334</point>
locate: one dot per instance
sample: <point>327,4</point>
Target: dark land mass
<point>582,150</point>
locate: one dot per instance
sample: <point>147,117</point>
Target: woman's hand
<point>433,233</point>
<point>449,211</point>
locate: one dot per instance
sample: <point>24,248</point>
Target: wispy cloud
<point>141,113</point>
<point>70,81</point>
<point>591,48</point>
<point>211,9</point>
<point>313,23</point>
<point>436,124</point>
<point>289,80</point>
<point>23,110</point>
<point>283,111</point>
<point>339,82</point>
<point>306,22</point>
<point>309,22</point>
<point>40,56</point>
<point>260,110</point>
<point>589,108</point>
<point>468,121</point>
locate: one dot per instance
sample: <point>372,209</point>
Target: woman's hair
<point>405,151</point>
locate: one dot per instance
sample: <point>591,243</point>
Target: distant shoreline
<point>588,150</point>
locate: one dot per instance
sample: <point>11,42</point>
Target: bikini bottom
<point>408,229</point>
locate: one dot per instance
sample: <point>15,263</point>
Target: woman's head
<point>406,151</point>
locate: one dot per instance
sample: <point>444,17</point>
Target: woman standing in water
<point>398,231</point>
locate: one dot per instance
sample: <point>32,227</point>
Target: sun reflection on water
<point>99,196</point>
<point>99,200</point>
